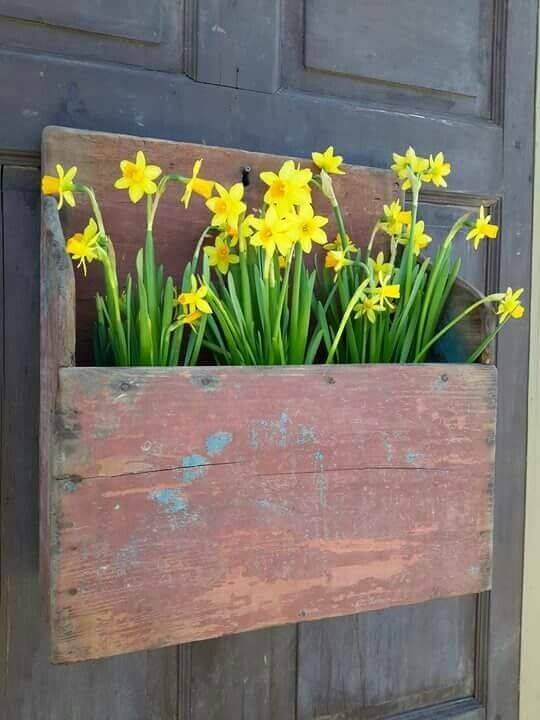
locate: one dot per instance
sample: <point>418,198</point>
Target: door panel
<point>285,77</point>
<point>387,661</point>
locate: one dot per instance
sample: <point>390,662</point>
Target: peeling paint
<point>306,435</point>
<point>270,432</point>
<point>273,506</point>
<point>170,499</point>
<point>411,457</point>
<point>68,486</point>
<point>217,442</point>
<point>193,467</point>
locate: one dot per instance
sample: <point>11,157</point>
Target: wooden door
<point>370,77</point>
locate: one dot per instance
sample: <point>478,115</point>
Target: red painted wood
<point>192,503</point>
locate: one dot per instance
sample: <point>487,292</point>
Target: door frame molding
<point>530,631</point>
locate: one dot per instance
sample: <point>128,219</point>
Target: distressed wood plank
<point>239,509</point>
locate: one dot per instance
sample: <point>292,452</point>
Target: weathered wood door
<point>369,76</point>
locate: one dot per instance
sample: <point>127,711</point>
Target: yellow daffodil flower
<point>220,256</point>
<point>194,300</point>
<point>138,177</point>
<point>394,218</point>
<point>190,318</point>
<point>271,233</point>
<point>328,161</point>
<point>410,162</point>
<point>336,260</point>
<point>379,268</point>
<point>306,227</point>
<point>369,307</point>
<point>510,306</point>
<point>438,170</point>
<point>61,186</point>
<point>420,239</point>
<point>289,187</point>
<point>482,229</point>
<point>337,244</point>
<point>84,246</point>
<point>196,185</point>
<point>384,293</point>
<point>230,232</point>
<point>227,206</point>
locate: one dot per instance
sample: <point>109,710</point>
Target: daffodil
<point>336,260</point>
<point>394,218</point>
<point>510,306</point>
<point>420,239</point>
<point>220,255</point>
<point>379,268</point>
<point>197,185</point>
<point>337,244</point>
<point>138,177</point>
<point>84,246</point>
<point>61,186</point>
<point>385,293</point>
<point>190,318</point>
<point>328,161</point>
<point>410,162</point>
<point>227,206</point>
<point>368,306</point>
<point>306,227</point>
<point>438,170</point>
<point>287,188</point>
<point>271,233</point>
<point>482,229</point>
<point>194,300</point>
<point>231,232</point>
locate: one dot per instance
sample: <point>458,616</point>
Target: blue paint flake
<point>170,499</point>
<point>270,432</point>
<point>193,467</point>
<point>217,442</point>
<point>412,457</point>
<point>306,435</point>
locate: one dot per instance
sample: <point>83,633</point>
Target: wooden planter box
<point>186,503</point>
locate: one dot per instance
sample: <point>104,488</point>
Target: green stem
<point>111,288</point>
<point>409,256</point>
<point>452,323</point>
<point>357,295</point>
<point>282,295</point>
<point>480,349</point>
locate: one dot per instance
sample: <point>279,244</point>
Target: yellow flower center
<point>278,189</point>
<point>305,229</point>
<point>223,252</point>
<point>221,206</point>
<point>266,233</point>
<point>134,173</point>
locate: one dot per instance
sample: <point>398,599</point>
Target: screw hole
<point>246,180</point>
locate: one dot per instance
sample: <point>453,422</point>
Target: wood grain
<point>193,503</point>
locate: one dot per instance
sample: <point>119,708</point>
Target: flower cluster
<point>251,295</point>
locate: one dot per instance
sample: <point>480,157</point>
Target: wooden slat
<point>193,503</point>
